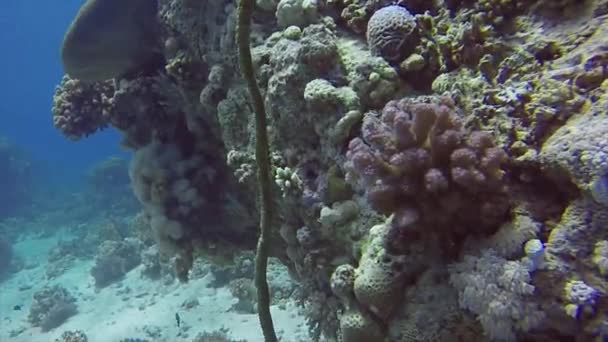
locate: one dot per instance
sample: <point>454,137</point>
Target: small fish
<point>17,307</point>
<point>177,319</point>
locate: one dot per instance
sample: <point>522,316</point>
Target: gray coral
<point>73,336</point>
<point>114,259</point>
<point>51,307</point>
<point>499,292</point>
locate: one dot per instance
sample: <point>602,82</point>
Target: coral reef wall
<point>441,166</point>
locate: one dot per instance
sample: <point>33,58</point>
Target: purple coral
<point>416,160</point>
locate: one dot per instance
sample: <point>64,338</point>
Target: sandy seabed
<point>135,307</point>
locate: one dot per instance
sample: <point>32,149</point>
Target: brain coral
<point>416,160</point>
<point>343,281</point>
<point>390,31</point>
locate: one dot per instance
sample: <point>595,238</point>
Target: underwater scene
<point>304,170</point>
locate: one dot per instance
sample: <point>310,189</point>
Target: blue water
<point>31,32</point>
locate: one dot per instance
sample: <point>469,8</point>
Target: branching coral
<point>416,160</point>
<point>73,336</point>
<point>498,292</point>
<point>80,108</point>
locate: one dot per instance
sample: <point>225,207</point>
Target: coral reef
<point>244,291</point>
<point>215,336</point>
<point>578,151</point>
<point>81,108</point>
<point>179,192</point>
<point>439,166</point>
<point>296,12</point>
<point>498,291</point>
<point>415,160</point>
<point>73,336</point>
<point>51,307</point>
<point>114,259</point>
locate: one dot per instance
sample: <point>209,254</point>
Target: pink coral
<point>417,161</point>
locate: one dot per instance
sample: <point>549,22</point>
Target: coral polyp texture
<point>81,108</point>
<point>391,31</point>
<point>416,160</point>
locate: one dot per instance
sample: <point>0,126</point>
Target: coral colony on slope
<point>441,166</point>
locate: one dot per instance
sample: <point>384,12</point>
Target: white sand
<point>131,308</point>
